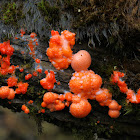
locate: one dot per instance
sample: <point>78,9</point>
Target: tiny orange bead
<point>37,60</point>
<point>81,109</point>
<point>113,113</point>
<point>39,70</point>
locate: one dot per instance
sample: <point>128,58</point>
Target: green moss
<point>11,13</point>
<point>50,13</point>
<point>31,91</point>
<point>27,65</point>
<point>20,77</point>
<point>128,108</point>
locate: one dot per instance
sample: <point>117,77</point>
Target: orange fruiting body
<point>28,76</point>
<point>12,81</point>
<point>4,92</point>
<point>81,60</point>
<point>49,97</point>
<point>131,95</point>
<point>59,51</point>
<point>85,82</point>
<point>48,82</point>
<point>39,70</point>
<point>25,109</point>
<point>21,69</point>
<point>68,96</point>
<point>22,88</point>
<point>32,35</point>
<point>11,95</point>
<point>37,60</point>
<point>81,109</point>
<point>30,102</point>
<point>103,96</point>
<point>34,73</point>
<point>113,113</point>
<point>114,105</point>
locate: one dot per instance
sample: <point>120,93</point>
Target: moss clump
<point>50,13</point>
<point>106,11</point>
<point>11,13</point>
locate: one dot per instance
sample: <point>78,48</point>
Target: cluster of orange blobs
<point>25,109</point>
<point>6,92</point>
<point>32,44</point>
<point>131,95</point>
<point>48,81</point>
<point>56,102</point>
<point>9,93</point>
<point>22,88</point>
<point>52,101</point>
<point>84,84</point>
<point>6,51</point>
<point>59,51</point>
<point>28,76</point>
<point>87,85</point>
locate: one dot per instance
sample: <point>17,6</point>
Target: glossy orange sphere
<point>113,113</point>
<point>81,109</point>
<point>81,60</point>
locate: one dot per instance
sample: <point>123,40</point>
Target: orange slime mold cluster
<point>12,81</point>
<point>87,85</point>
<point>48,81</point>
<point>79,107</point>
<point>22,88</point>
<point>84,83</point>
<point>28,76</point>
<point>131,95</point>
<point>6,49</point>
<point>59,51</point>
<point>33,42</point>
<point>25,109</point>
<point>6,92</point>
<point>53,101</point>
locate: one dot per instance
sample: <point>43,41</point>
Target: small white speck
<point>79,10</point>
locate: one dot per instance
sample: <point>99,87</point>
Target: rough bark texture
<point>117,45</point>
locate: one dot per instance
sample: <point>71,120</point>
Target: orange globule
<point>49,97</point>
<point>4,92</point>
<point>81,60</point>
<point>81,109</point>
<point>28,76</point>
<point>114,105</point>
<point>11,95</point>
<point>48,81</point>
<point>12,81</point>
<point>113,113</point>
